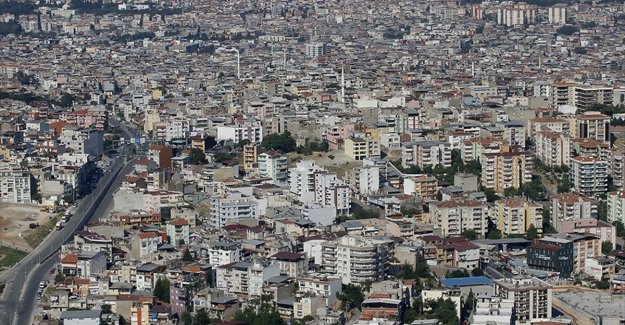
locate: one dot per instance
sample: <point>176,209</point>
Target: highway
<point>19,297</point>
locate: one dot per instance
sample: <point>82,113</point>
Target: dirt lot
<point>335,161</point>
<point>15,218</point>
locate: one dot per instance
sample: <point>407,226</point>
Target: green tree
<point>565,185</point>
<point>457,274</point>
<point>161,289</point>
<point>106,309</point>
<point>187,257</point>
<point>470,234</point>
<point>201,317</point>
<point>603,284</point>
<point>186,318</point>
<point>469,303</point>
<point>406,272</point>
<point>620,229</point>
<point>197,157</point>
<point>607,247</point>
<point>351,297</point>
<point>567,30</point>
<point>532,232</point>
<point>491,196</point>
<point>410,315</point>
<point>260,312</point>
<point>442,309</point>
<point>283,142</point>
<point>477,272</point>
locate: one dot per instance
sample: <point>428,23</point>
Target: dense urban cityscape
<point>424,162</point>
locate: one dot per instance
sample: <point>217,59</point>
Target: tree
<point>260,312</point>
<point>469,303</point>
<point>201,317</point>
<point>603,284</point>
<point>607,247</point>
<point>422,271</point>
<point>477,272</point>
<point>67,100</point>
<point>457,274</point>
<point>442,309</point>
<point>470,234</point>
<point>567,30</point>
<point>106,309</point>
<point>532,232</point>
<point>565,185</point>
<point>406,272</point>
<point>161,289</point>
<point>410,315</point>
<point>351,297</point>
<point>187,257</point>
<point>620,229</point>
<point>283,142</point>
<point>197,157</point>
<point>186,318</point>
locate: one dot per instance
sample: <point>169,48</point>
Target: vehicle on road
<point>59,225</point>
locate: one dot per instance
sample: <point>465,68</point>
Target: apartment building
<point>553,148</point>
<point>616,206</point>
<point>514,133</point>
<point>161,155</point>
<point>17,185</point>
<point>251,131</point>
<point>302,180</point>
<point>557,15</point>
<point>562,94</point>
<point>330,190</point>
<point>493,311</point>
<point>532,298</point>
<point>584,246</point>
<point>421,186</point>
<point>319,285</point>
<point>364,180</point>
<point>586,96</point>
<point>589,175</point>
<point>84,141</point>
<point>246,278</point>
<point>458,252</point>
<point>455,217</point>
<point>426,154</point>
<point>570,207</point>
<point>178,232</point>
<point>514,216</point>
<point>593,125</point>
<point>506,170</point>
<point>557,125</point>
<point>604,230</point>
<point>516,15</point>
<point>274,165</point>
<point>617,167</point>
<point>590,148</point>
<point>361,148</point>
<point>250,154</point>
<point>223,252</point>
<point>356,259</point>
<point>231,207</point>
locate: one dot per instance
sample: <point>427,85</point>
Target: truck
<point>59,225</point>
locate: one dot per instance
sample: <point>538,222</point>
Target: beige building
<point>553,148</point>
<point>570,207</point>
<point>455,217</point>
<point>514,216</point>
<point>506,170</point>
<point>360,149</point>
<point>532,298</point>
<point>593,125</point>
<point>589,175</point>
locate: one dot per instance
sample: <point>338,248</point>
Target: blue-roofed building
<point>481,286</point>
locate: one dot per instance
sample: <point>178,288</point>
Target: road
<point>18,299</point>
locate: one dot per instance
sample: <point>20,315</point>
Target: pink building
<point>604,230</point>
<point>337,134</point>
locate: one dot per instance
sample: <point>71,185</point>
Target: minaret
<point>342,84</point>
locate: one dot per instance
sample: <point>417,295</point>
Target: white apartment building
<point>557,15</point>
<point>316,49</point>
<point>593,125</point>
<point>493,311</point>
<point>571,207</point>
<point>231,207</point>
<point>222,253</point>
<point>246,278</point>
<point>302,180</point>
<point>426,153</point>
<point>532,298</point>
<point>548,124</point>
<point>589,175</point>
<point>274,165</point>
<point>252,132</point>
<point>177,129</point>
<point>454,217</point>
<point>514,133</point>
<point>356,259</point>
<point>516,15</point>
<point>365,180</point>
<point>87,141</point>
<point>553,148</point>
<point>616,207</point>
<point>318,285</point>
<point>332,191</point>
<point>16,185</point>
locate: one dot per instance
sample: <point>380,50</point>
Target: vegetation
<point>34,238</point>
<point>351,297</point>
<point>197,157</point>
<point>534,190</point>
<point>10,256</point>
<point>421,271</point>
<point>607,247</point>
<point>359,212</point>
<point>457,274</point>
<point>442,309</point>
<point>547,226</point>
<point>568,30</point>
<point>470,234</point>
<point>260,312</point>
<point>477,272</point>
<point>493,232</point>
<point>532,233</point>
<point>161,289</point>
<point>17,8</point>
<point>312,146</point>
<point>607,109</point>
<point>187,257</point>
<point>283,142</point>
<point>603,284</point>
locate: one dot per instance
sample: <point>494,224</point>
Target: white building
<point>332,191</point>
<point>246,278</point>
<point>553,148</point>
<point>274,165</point>
<point>87,141</point>
<point>532,298</point>
<point>571,207</point>
<point>231,207</point>
<point>616,207</point>
<point>222,253</point>
<point>302,180</point>
<point>426,153</point>
<point>493,311</point>
<point>252,132</point>
<point>589,175</point>
<point>455,217</point>
<point>557,15</point>
<point>356,259</point>
<point>365,180</point>
<point>16,185</point>
<point>316,49</point>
